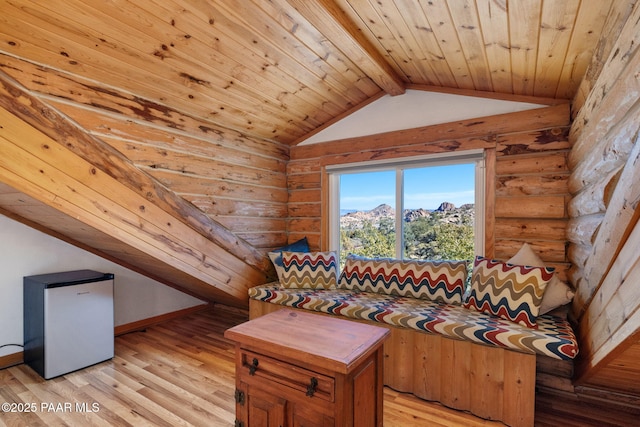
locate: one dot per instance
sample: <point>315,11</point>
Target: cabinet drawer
<point>307,382</point>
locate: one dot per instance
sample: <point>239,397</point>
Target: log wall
<point>237,180</point>
<point>527,177</point>
<point>181,200</point>
<point>603,229</point>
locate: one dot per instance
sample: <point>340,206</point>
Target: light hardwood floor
<point>181,373</point>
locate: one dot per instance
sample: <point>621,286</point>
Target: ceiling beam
<point>336,26</point>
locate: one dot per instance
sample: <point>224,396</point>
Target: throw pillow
<point>557,292</point>
<point>513,292</point>
<point>315,270</point>
<point>301,245</point>
<point>434,280</point>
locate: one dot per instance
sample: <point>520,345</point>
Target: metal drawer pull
<point>253,367</point>
<point>311,388</point>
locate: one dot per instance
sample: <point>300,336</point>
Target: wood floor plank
<point>115,404</point>
<point>182,373</point>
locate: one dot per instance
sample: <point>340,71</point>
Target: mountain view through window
<point>435,219</point>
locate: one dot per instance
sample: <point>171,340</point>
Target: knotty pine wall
<point>603,231</point>
<point>527,177</point>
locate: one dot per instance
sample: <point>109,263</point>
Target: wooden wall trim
<point>490,203</point>
<point>12,359</point>
<point>447,134</point>
<point>489,95</point>
<point>407,150</point>
<point>154,320</point>
<point>326,205</point>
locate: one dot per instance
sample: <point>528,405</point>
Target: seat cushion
<point>554,336</point>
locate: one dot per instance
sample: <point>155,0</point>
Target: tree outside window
<point>436,219</point>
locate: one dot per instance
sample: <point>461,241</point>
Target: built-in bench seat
<point>471,347</point>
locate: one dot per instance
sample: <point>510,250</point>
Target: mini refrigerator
<point>68,321</point>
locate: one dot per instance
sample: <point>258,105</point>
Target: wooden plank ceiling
<point>250,78</point>
<point>279,69</point>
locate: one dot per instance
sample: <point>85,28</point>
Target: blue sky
<point>424,187</point>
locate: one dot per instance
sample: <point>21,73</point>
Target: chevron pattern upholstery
<point>301,245</point>
<point>553,337</point>
<point>435,280</point>
<point>513,292</point>
<point>309,270</point>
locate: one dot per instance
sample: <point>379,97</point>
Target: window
<point>418,208</point>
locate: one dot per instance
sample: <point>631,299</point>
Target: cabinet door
<point>303,416</point>
<point>261,408</point>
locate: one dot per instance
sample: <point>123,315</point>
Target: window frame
<point>334,172</point>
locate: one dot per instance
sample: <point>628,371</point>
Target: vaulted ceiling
<point>198,102</point>
<point>280,69</point>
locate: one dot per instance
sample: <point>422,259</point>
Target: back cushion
<point>434,280</point>
<point>301,245</point>
<point>513,292</point>
<point>315,270</point>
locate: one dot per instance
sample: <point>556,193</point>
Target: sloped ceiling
<point>280,69</point>
<point>260,76</point>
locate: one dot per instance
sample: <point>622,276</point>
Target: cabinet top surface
<point>323,340</point>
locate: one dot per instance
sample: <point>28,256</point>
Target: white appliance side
<point>78,326</point>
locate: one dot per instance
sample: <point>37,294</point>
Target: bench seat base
<point>490,382</point>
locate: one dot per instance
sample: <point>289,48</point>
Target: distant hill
<point>443,233</point>
<point>446,212</point>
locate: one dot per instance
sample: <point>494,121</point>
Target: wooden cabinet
<point>302,369</point>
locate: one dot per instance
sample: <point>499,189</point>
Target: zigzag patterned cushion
<point>301,245</point>
<point>554,336</point>
<point>309,270</point>
<point>434,280</point>
<point>513,292</point>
